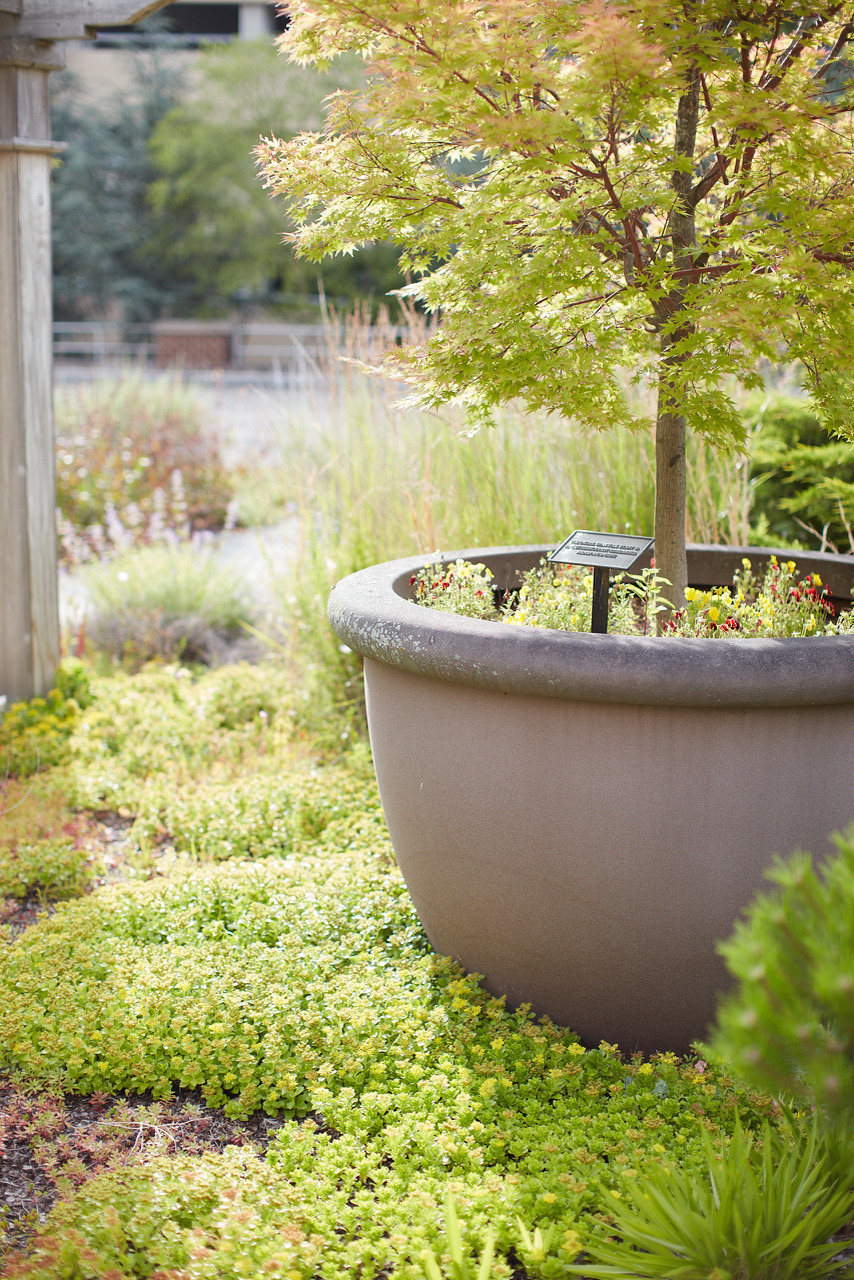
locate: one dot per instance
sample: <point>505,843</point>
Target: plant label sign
<point>603,552</point>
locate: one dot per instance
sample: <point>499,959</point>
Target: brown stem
<point>671,559</point>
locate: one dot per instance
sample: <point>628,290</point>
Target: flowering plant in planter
<point>560,596</point>
<point>583,188</point>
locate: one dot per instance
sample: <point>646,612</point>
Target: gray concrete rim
<point>371,613</point>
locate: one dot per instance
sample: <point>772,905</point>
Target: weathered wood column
<point>29,615</point>
<point>29,612</point>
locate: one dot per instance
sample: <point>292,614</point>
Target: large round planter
<point>580,818</point>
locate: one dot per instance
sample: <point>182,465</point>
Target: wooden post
<point>29,613</point>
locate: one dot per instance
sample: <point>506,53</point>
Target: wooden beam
<point>74,19</point>
<point>29,614</point>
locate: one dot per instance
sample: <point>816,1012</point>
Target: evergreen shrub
<point>802,481</point>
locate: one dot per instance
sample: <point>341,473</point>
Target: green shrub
<point>789,1022</point>
<point>762,1211</point>
<point>259,817</point>
<point>73,682</point>
<point>154,736</point>
<point>802,480</point>
<point>239,695</point>
<point>165,603</point>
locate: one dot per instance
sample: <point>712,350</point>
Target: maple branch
<point>627,222</point>
<point>838,45</point>
<point>796,48</point>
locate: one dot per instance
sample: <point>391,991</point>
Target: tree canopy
<point>217,227</point>
<point>102,221</point>
<point>156,209</point>
<point>586,188</point>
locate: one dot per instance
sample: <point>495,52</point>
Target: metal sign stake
<point>601,582</point>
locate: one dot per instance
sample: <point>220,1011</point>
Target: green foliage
<point>102,222</point>
<point>306,985</point>
<point>218,229</point>
<point>803,483</point>
<point>533,155</point>
<point>222,1216</point>
<point>135,462</point>
<point>165,602</point>
<point>789,1022</point>
<point>761,1211</point>
<point>34,734</point>
<point>460,1266</point>
<point>294,978</point>
<point>56,869</point>
<point>73,682</point>
<point>151,737</point>
<point>259,817</point>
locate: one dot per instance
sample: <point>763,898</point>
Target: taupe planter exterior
<point>581,818</point>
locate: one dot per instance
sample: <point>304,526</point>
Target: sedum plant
<point>582,189</point>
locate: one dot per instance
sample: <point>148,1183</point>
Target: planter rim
<point>371,613</point>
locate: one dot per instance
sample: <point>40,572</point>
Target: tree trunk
<point>671,559</point>
<point>670,440</point>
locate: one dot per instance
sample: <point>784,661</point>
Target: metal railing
<point>280,349</point>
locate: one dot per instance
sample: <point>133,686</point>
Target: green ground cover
<point>264,953</point>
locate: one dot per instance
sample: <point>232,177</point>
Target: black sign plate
<point>601,550</point>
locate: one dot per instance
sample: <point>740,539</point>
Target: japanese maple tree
<point>592,188</point>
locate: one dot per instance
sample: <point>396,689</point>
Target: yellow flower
<point>689,594</point>
<point>811,625</point>
<point>816,579</point>
<point>549,1197</point>
<point>571,1242</point>
<point>790,565</point>
<point>714,614</point>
